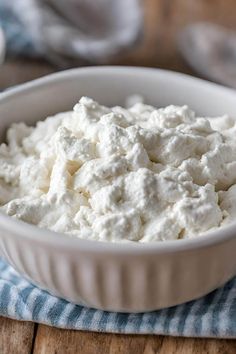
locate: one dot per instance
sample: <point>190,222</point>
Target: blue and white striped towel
<point>211,316</point>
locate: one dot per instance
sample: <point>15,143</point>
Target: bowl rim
<point>29,232</point>
<point>63,75</point>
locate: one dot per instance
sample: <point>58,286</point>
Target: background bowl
<point>108,276</point>
<point>2,46</point>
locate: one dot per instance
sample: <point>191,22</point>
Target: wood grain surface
<point>29,338</point>
<point>15,336</point>
<point>163,20</point>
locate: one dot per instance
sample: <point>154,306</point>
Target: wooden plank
<point>174,345</point>
<point>15,337</point>
<point>138,344</point>
<point>51,340</point>
<point>17,71</point>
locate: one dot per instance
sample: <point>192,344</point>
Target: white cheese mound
<point>114,174</point>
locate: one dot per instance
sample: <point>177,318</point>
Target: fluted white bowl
<point>110,276</point>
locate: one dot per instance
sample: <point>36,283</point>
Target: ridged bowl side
<point>127,283</point>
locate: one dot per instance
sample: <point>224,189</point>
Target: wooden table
<point>163,18</point>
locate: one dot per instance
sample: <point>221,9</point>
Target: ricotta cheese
<point>114,174</point>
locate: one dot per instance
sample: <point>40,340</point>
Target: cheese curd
<point>114,174</point>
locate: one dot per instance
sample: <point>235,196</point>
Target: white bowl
<point>109,276</point>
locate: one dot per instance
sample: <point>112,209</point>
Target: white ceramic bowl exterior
<point>118,277</point>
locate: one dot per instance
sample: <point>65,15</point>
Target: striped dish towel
<point>211,316</point>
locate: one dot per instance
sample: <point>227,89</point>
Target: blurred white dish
<point>119,277</point>
<point>2,46</point>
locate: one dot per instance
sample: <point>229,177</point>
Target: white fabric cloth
<point>91,30</point>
